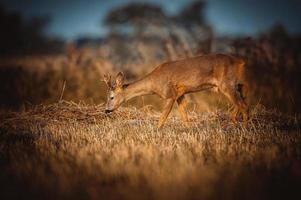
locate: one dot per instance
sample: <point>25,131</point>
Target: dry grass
<point>69,150</point>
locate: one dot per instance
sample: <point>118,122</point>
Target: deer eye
<point>111,97</point>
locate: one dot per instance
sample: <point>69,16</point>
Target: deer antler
<point>119,79</point>
<point>107,80</point>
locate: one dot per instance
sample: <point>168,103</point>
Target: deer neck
<point>138,88</point>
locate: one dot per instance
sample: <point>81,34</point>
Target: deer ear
<point>119,79</point>
<point>107,80</point>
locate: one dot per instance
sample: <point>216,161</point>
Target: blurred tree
<point>25,37</point>
<point>200,34</point>
<point>182,35</point>
<point>134,12</point>
<point>134,15</point>
<point>193,13</point>
<point>278,31</point>
<point>138,16</point>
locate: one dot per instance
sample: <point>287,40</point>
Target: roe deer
<point>172,80</point>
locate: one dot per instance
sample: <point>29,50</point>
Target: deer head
<point>115,96</point>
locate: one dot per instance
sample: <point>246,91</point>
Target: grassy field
<point>75,151</point>
<point>70,150</point>
<point>56,142</point>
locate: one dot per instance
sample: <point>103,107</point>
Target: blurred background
<point>55,50</point>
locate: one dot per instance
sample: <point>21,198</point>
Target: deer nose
<point>108,111</point>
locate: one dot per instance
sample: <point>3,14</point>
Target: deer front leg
<point>182,103</point>
<point>166,111</point>
<point>234,113</point>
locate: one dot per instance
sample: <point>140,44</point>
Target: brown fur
<point>172,80</point>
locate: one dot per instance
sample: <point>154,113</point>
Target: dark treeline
<point>19,36</point>
<point>274,67</point>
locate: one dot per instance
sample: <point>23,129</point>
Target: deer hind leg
<point>234,94</point>
<point>166,111</point>
<point>182,104</point>
<point>242,93</point>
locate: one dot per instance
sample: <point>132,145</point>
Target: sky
<point>74,18</point>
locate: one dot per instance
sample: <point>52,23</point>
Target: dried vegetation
<point>69,150</point>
